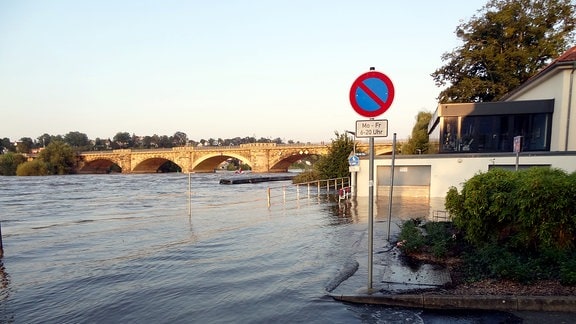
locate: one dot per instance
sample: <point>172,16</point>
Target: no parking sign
<point>371,94</point>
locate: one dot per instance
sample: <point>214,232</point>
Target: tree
<point>147,142</point>
<point>100,144</point>
<point>507,43</point>
<point>418,141</point>
<point>24,145</point>
<point>58,157</point>
<point>44,140</point>
<point>77,139</point>
<point>6,146</point>
<point>9,163</point>
<point>136,141</point>
<point>180,139</point>
<point>32,168</point>
<point>335,163</point>
<point>164,141</point>
<point>123,139</point>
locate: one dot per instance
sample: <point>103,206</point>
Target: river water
<point>141,249</point>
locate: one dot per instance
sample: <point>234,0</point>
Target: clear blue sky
<point>216,69</point>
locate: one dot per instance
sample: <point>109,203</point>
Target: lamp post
<point>353,139</point>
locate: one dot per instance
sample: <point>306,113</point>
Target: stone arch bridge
<point>261,157</point>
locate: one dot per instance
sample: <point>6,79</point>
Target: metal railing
<point>306,190</point>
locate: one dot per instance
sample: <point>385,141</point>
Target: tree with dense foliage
<point>507,43</point>
<point>334,164</point>
<point>57,158</point>
<point>77,140</point>
<point>180,139</point>
<point>9,163</point>
<point>122,140</point>
<point>418,142</point>
<point>6,146</point>
<point>44,140</point>
<point>24,145</point>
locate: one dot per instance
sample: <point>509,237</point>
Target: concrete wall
<point>453,170</point>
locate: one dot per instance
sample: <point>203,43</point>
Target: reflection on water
<point>355,210</point>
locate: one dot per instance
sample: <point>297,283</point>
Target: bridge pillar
<point>183,158</point>
<point>261,160</point>
<point>124,160</point>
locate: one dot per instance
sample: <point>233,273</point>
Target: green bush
<point>530,209</point>
<point>32,168</point>
<point>545,208</point>
<point>568,272</point>
<point>484,209</point>
<point>521,224</point>
<point>440,237</point>
<point>9,163</point>
<point>433,237</point>
<point>411,238</point>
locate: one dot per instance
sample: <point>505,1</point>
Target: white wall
<point>454,170</point>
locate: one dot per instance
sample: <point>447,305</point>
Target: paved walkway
<point>397,284</point>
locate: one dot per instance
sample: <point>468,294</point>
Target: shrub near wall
<point>521,224</point>
<point>528,209</point>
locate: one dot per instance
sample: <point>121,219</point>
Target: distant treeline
<point>124,140</point>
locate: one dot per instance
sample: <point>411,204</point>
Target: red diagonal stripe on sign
<point>371,94</point>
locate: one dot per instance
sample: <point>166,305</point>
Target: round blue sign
<point>353,160</point>
<point>372,94</point>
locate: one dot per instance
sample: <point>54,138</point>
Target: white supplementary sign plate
<point>372,128</point>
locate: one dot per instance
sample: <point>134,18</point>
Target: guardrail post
<point>298,192</point>
<point>1,245</point>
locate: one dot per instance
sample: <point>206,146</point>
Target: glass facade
<point>494,133</point>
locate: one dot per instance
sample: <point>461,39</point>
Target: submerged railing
<point>306,190</point>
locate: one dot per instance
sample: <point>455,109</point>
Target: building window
<point>495,133</point>
<point>449,134</point>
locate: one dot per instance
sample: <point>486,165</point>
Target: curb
<point>478,302</point>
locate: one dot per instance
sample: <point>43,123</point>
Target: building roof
<point>566,59</point>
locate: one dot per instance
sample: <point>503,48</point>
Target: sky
<point>217,69</point>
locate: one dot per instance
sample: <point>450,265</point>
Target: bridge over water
<point>261,157</point>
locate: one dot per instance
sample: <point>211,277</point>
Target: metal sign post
<point>370,211</point>
<point>371,128</point>
<point>371,95</point>
<point>391,185</point>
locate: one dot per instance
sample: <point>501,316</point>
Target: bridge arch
<point>209,162</point>
<point>100,165</point>
<point>155,165</point>
<point>283,159</point>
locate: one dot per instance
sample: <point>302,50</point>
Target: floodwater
<point>142,249</point>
